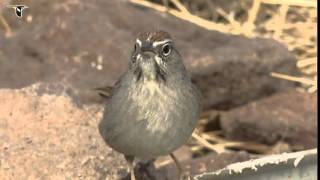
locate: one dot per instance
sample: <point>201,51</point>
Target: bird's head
<point>155,57</point>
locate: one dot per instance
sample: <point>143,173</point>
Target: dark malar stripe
<point>138,73</point>
<point>160,74</point>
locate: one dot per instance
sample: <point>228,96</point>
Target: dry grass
<point>6,26</point>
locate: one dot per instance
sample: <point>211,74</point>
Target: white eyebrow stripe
<point>156,43</point>
<point>139,42</point>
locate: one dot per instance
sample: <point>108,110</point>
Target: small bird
<point>154,107</point>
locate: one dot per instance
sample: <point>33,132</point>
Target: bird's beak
<point>148,55</point>
<point>147,64</point>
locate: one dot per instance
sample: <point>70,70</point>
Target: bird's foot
<point>146,171</point>
<point>185,176</point>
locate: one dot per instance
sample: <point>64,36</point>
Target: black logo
<point>18,9</point>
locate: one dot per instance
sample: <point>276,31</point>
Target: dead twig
<point>303,3</point>
<point>6,26</point>
<point>204,142</point>
<point>296,79</point>
<point>183,15</point>
<point>180,6</point>
<point>307,62</point>
<point>249,24</point>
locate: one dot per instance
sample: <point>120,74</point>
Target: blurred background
<point>255,62</point>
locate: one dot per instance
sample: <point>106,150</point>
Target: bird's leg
<point>6,26</point>
<point>130,161</point>
<point>181,171</point>
<point>176,162</point>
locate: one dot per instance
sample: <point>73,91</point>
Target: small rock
<point>85,160</point>
<point>63,164</point>
<point>290,117</point>
<point>237,70</point>
<point>4,165</point>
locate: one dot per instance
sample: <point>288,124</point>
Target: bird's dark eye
<point>166,49</point>
<point>136,46</point>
